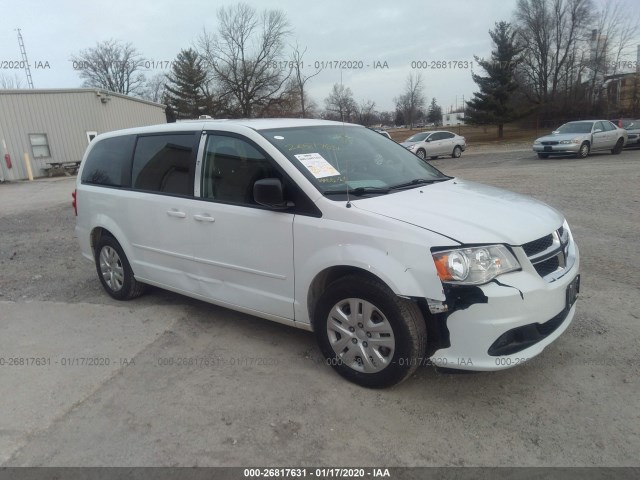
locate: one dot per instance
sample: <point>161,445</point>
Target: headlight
<point>537,142</point>
<point>412,147</point>
<point>475,265</point>
<point>566,142</point>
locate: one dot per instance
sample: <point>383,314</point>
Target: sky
<point>406,36</point>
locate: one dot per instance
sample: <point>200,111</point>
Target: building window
<point>91,136</point>
<point>39,145</point>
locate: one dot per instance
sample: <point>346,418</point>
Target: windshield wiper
<point>419,181</point>
<point>358,191</point>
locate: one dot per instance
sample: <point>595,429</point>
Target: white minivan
<point>332,228</point>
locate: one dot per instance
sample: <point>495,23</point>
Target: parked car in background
<point>384,133</point>
<point>581,138</point>
<point>633,131</point>
<point>436,144</point>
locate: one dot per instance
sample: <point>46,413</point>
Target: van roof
<point>204,124</point>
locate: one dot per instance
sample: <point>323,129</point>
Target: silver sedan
<point>436,144</point>
<point>581,138</point>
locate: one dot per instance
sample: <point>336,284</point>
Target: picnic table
<point>62,168</point>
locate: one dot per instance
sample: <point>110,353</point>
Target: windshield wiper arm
<point>358,191</point>
<point>419,181</point>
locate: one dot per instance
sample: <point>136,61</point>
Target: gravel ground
<point>575,405</point>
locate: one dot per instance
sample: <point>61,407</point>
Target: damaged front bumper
<point>508,321</point>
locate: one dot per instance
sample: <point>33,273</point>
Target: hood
<point>408,144</point>
<point>562,136</point>
<point>468,212</point>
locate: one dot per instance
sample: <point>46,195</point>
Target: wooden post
<point>27,163</point>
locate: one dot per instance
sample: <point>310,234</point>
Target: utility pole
<point>23,52</point>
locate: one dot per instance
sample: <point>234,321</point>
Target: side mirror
<point>268,192</point>
<point>597,130</point>
<point>428,139</point>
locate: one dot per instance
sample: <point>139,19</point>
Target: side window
<point>164,164</point>
<point>598,126</point>
<point>109,162</point>
<point>447,136</point>
<point>608,126</point>
<point>231,166</point>
<point>436,136</point>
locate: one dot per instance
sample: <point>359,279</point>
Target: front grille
<point>551,143</point>
<point>549,254</point>
<point>537,246</point>
<point>547,266</point>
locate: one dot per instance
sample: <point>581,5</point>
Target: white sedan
<point>436,144</point>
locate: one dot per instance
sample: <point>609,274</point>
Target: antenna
<point>23,51</point>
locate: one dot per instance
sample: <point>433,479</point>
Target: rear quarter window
<point>109,162</point>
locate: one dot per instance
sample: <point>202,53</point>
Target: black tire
<point>401,316</point>
<point>543,155</point>
<point>585,148</point>
<point>457,151</point>
<point>617,150</point>
<point>421,153</point>
<point>120,287</point>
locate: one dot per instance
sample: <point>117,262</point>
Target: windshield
<point>576,127</point>
<point>418,137</point>
<point>337,159</point>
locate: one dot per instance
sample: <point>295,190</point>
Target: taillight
<point>74,202</point>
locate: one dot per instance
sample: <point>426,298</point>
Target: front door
<point>243,252</point>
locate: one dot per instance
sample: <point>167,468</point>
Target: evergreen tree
<point>435,113</point>
<point>491,105</point>
<point>186,86</point>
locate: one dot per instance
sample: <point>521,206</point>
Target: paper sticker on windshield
<point>317,165</point>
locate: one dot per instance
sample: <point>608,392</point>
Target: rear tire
<point>457,151</point>
<point>617,150</point>
<point>114,270</point>
<point>433,157</point>
<point>584,150</point>
<point>543,155</point>
<point>368,334</point>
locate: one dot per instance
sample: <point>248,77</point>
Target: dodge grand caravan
<point>331,228</point>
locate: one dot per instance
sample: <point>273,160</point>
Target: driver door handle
<point>176,213</point>
<point>204,218</point>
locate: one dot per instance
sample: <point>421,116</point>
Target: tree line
<point>554,60</point>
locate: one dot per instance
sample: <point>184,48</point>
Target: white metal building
<point>57,125</point>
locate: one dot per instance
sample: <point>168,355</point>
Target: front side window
<point>608,126</point>
<point>39,145</point>
<point>231,167</point>
<point>340,159</point>
<point>164,164</point>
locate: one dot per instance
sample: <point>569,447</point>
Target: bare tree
<point>340,103</point>
<point>366,112</point>
<point>412,100</point>
<point>111,65</point>
<point>10,83</point>
<point>549,31</point>
<point>155,88</point>
<point>299,79</point>
<point>245,56</point>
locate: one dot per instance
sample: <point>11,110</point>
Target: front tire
<point>114,270</point>
<point>457,151</point>
<point>421,153</point>
<point>617,150</point>
<point>368,334</point>
<point>584,150</point>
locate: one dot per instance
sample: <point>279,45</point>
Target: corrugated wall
<point>65,116</point>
